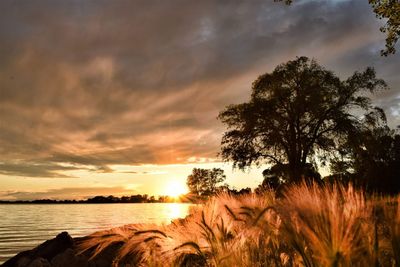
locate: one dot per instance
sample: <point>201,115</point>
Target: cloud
<point>93,84</point>
<point>145,172</point>
<point>33,169</point>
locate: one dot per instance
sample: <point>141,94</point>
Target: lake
<point>24,226</point>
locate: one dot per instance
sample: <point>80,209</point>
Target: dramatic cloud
<point>88,84</point>
<point>31,169</point>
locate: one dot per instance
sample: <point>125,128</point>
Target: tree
<point>205,182</point>
<point>297,112</point>
<point>278,175</point>
<point>388,10</point>
<point>371,159</point>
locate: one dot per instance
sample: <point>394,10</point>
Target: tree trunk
<point>295,172</point>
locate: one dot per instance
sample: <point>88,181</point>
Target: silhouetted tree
<point>245,191</point>
<point>270,181</point>
<point>295,113</point>
<point>388,10</point>
<point>371,159</point>
<point>224,188</point>
<point>165,199</point>
<point>98,199</point>
<point>278,175</point>
<point>124,199</point>
<point>205,181</point>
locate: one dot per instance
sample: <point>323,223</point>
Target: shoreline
<point>148,214</point>
<point>66,251</point>
<point>61,251</point>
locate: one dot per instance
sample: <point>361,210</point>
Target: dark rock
<point>69,258</point>
<point>20,260</point>
<point>39,262</point>
<point>23,261</point>
<point>46,251</point>
<point>62,251</point>
<point>53,247</point>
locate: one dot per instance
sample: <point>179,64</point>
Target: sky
<point>122,97</point>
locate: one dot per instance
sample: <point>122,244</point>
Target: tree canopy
<point>205,182</point>
<point>296,113</point>
<point>370,159</point>
<point>388,10</point>
<point>278,175</point>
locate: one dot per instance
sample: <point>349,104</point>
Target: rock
<point>69,258</point>
<point>20,260</point>
<point>53,247</point>
<point>42,254</point>
<point>62,251</point>
<point>23,261</point>
<point>39,262</point>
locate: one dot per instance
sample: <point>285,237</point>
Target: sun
<point>175,189</point>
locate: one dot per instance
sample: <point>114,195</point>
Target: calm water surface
<point>23,226</point>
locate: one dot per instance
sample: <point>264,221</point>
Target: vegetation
<point>388,10</point>
<point>296,113</point>
<point>373,155</point>
<point>278,175</point>
<point>310,225</point>
<point>205,182</point>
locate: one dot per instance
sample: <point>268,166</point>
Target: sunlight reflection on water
<point>24,226</point>
<point>176,210</point>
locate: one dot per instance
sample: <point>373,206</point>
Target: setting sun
<point>200,133</point>
<point>175,189</point>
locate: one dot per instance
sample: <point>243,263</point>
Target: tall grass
<point>310,225</point>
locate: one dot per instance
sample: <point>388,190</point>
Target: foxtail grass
<point>309,225</point>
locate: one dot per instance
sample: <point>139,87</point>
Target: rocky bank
<point>61,251</point>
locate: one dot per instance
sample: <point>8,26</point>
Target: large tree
<point>205,182</point>
<point>298,111</point>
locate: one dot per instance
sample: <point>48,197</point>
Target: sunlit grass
<point>309,225</point>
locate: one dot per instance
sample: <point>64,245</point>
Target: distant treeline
<point>188,198</point>
<point>103,199</point>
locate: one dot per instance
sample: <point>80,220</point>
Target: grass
<point>310,225</point>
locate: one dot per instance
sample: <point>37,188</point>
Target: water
<point>24,226</point>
